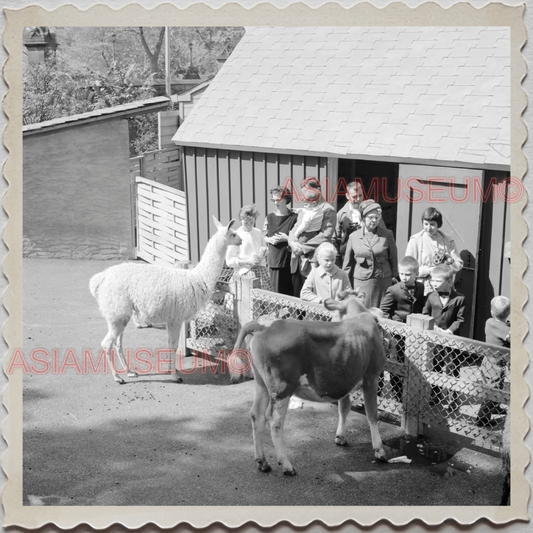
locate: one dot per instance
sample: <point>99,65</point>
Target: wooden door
<point>457,194</point>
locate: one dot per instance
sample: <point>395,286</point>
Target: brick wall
<point>76,192</point>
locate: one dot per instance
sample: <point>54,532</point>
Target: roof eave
<point>127,113</point>
<point>366,157</point>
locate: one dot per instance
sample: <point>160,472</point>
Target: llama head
<point>232,236</point>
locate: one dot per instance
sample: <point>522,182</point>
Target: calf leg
<point>258,416</point>
<point>370,391</point>
<point>276,415</point>
<point>344,408</point>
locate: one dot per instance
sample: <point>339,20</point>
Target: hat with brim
<point>374,206</point>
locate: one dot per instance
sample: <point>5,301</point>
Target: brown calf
<point>316,361</point>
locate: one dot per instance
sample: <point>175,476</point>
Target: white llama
<point>158,294</point>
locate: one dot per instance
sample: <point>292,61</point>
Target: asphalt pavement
<point>89,441</point>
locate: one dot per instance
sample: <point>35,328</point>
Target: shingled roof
<point>131,109</point>
<point>437,94</point>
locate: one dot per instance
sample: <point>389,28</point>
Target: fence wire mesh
<point>446,382</point>
<point>216,326</point>
<point>271,305</point>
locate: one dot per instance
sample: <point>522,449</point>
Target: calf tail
<point>240,364</point>
<point>506,462</point>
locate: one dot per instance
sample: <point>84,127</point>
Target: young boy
<point>407,296</point>
<point>399,301</point>
<point>497,331</point>
<point>327,280</point>
<point>447,307</point>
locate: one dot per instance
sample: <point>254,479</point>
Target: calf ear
<point>378,313</point>
<point>333,305</point>
<point>231,222</point>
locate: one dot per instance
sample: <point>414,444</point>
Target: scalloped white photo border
<point>395,14</point>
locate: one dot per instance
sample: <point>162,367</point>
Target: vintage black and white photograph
<point>269,266</point>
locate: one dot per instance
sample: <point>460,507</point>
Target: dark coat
<point>451,316</point>
<point>398,302</point>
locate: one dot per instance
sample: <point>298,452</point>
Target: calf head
<point>349,304</point>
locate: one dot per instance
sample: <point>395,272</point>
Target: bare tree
<point>153,56</point>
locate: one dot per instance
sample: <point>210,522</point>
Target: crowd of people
<point>315,253</point>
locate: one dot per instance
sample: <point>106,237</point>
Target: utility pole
<point>168,88</point>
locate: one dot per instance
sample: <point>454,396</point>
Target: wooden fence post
<point>243,289</point>
<point>416,388</point>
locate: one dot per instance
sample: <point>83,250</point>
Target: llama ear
<point>231,222</point>
<point>218,225</point>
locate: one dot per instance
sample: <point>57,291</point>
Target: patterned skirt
<point>263,275</point>
<point>374,289</point>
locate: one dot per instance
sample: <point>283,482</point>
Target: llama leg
<point>173,332</point>
<point>115,331</point>
<point>125,363</point>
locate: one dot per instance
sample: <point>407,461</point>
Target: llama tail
<point>241,357</point>
<point>95,282</point>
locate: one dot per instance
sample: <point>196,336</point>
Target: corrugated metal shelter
<point>430,104</point>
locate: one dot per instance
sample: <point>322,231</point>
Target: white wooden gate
<point>161,222</point>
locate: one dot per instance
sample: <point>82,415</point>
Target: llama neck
<point>207,271</point>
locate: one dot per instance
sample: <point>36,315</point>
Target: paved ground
<point>89,441</point>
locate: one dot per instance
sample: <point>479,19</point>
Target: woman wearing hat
<point>371,258</point>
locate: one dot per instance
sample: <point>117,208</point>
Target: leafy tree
<point>101,67</point>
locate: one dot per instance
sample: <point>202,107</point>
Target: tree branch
<point>145,44</point>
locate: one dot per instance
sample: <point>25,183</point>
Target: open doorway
<point>380,182</point>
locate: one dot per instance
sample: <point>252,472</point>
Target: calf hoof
<point>290,472</point>
<point>133,375</point>
<point>235,379</point>
<point>341,441</point>
<point>381,455</point>
<point>119,380</point>
<point>263,466</point>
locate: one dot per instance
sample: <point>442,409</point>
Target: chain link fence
<point>429,379</point>
<point>216,326</point>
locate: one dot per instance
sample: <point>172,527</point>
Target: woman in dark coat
<point>278,224</point>
<point>371,258</point>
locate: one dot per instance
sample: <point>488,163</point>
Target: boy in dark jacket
<point>447,307</point>
<point>497,332</point>
<point>400,300</point>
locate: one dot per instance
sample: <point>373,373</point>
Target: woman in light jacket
<point>431,247</point>
<point>371,258</point>
<point>250,255</point>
